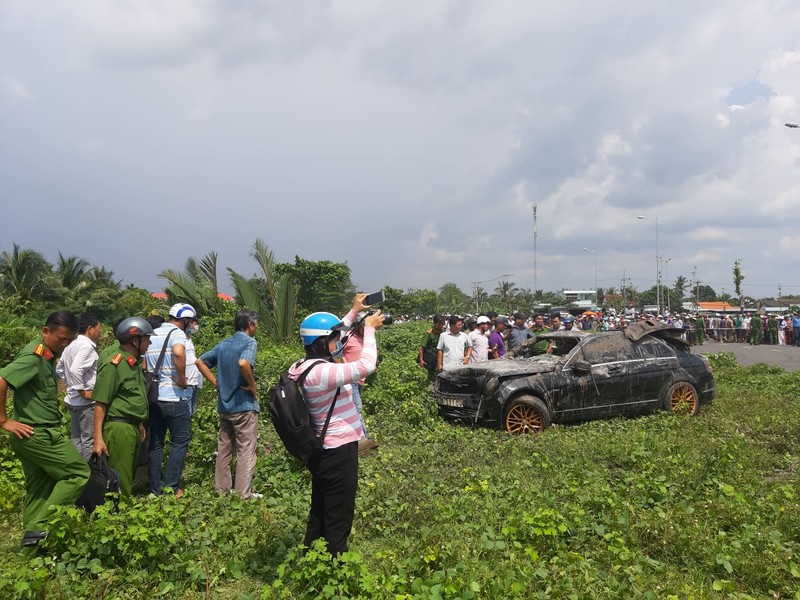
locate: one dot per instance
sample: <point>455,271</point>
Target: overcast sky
<point>408,139</point>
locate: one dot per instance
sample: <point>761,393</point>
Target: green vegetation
<point>657,507</point>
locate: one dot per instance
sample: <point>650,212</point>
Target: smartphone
<point>376,298</point>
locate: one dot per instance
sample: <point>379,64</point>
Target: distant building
<point>580,298</point>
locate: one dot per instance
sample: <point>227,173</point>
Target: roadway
<point>787,357</point>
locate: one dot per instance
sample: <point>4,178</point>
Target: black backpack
<point>289,414</point>
<point>102,480</point>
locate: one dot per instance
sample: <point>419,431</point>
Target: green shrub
<point>653,507</point>
<point>12,339</point>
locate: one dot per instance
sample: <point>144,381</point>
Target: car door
<point>605,390</point>
<point>658,362</point>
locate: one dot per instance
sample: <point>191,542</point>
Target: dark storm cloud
<point>410,140</point>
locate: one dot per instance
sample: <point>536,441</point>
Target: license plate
<point>454,402</point>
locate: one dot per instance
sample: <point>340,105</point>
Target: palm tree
<point>71,272</point>
<point>278,310</point>
<point>196,284</point>
<point>102,278</point>
<point>25,275</point>
<point>479,296</point>
<point>680,285</point>
<point>506,291</point>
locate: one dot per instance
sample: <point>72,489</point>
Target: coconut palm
<point>197,284</point>
<point>71,272</point>
<point>680,286</point>
<point>479,296</point>
<point>102,278</point>
<point>506,291</point>
<point>25,276</point>
<point>278,309</point>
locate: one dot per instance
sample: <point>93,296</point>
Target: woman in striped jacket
<point>335,471</point>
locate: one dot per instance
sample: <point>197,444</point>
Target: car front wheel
<point>526,414</point>
<point>682,399</point>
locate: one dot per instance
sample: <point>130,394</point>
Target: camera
<point>387,319</point>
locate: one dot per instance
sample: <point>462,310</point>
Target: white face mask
<point>192,329</point>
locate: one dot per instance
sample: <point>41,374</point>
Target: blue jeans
<point>175,418</point>
<point>357,387</point>
<point>193,399</point>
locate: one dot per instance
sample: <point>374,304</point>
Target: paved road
<point>787,357</point>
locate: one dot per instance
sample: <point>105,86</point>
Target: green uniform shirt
<point>107,353</point>
<point>32,376</point>
<point>120,384</point>
<point>430,340</point>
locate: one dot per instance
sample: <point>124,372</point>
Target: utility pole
<point>535,235</point>
<point>696,288</point>
<point>623,292</point>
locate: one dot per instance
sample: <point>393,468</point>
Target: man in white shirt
<point>479,342</point>
<point>453,346</point>
<point>78,369</point>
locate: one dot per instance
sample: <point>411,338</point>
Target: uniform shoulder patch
<point>117,359</point>
<point>131,361</point>
<point>39,350</point>
<point>47,354</point>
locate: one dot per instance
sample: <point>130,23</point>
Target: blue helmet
<point>569,319</point>
<point>317,325</point>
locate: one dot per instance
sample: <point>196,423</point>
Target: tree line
<point>281,293</point>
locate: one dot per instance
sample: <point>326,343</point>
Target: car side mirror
<point>582,367</point>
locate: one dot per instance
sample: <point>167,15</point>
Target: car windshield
<point>562,346</point>
<point>603,348</point>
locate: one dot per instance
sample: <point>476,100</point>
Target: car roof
<point>634,332</point>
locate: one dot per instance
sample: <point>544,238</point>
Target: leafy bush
<point>12,339</point>
<point>657,507</point>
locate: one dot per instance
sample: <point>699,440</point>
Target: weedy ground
<point>655,507</point>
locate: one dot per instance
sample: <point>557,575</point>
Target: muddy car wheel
<point>682,399</point>
<point>526,414</point>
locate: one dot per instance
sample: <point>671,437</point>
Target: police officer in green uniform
<point>55,474</point>
<point>120,396</point>
<point>755,330</point>
<point>772,328</point>
<point>700,324</point>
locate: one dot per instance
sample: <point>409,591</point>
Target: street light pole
<point>666,288</point>
<point>595,273</point>
<point>658,269</point>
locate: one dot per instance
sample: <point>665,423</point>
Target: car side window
<point>605,349</point>
<point>651,347</point>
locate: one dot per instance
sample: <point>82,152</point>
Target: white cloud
<point>407,120</point>
<point>709,234</point>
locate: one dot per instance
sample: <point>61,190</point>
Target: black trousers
<point>334,480</point>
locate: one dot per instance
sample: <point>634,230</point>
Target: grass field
<point>658,507</point>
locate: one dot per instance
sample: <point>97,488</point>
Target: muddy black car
<point>584,376</point>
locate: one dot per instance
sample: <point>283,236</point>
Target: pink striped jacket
<point>320,387</point>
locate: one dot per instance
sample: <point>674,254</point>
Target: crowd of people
<point>447,345</point>
<point>122,401</point>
